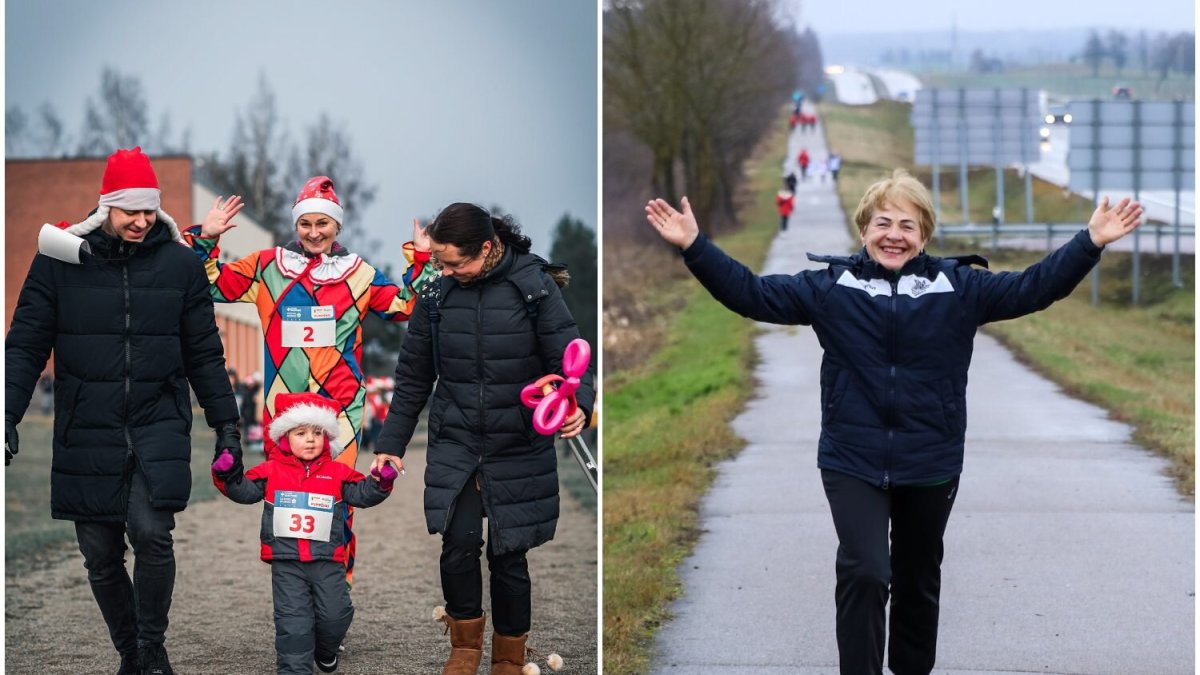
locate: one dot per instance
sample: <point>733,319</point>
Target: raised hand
<point>1110,224</point>
<point>676,227</point>
<point>421,240</point>
<point>217,221</point>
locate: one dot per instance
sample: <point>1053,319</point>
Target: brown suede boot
<point>508,654</point>
<point>466,645</point>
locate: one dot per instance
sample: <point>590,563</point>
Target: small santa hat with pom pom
<point>305,409</point>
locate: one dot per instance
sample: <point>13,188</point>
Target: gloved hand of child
<point>386,476</point>
<point>223,466</point>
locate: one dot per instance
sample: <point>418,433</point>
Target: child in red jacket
<point>785,201</point>
<point>303,536</point>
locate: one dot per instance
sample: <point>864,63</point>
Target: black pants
<point>867,570</point>
<point>783,221</point>
<point>462,578</point>
<point>312,612</point>
<point>135,612</point>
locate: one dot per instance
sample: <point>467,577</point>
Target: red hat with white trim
<point>305,409</point>
<point>317,196</point>
<point>129,183</point>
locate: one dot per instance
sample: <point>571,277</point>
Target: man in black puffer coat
<point>131,325</point>
<point>498,323</point>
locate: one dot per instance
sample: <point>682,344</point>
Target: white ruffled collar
<point>331,268</point>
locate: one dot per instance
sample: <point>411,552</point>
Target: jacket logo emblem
<point>916,286</point>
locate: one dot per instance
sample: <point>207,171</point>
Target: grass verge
<point>1136,362</point>
<point>666,425</point>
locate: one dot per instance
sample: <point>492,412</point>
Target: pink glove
<point>385,476</point>
<point>223,463</point>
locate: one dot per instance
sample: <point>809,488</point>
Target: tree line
<point>690,86</point>
<point>263,163</point>
<point>1160,54</point>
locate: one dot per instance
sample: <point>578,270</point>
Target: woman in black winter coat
<point>897,327</point>
<point>494,322</point>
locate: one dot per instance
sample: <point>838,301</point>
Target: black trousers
<point>312,612</point>
<point>135,612</point>
<point>868,571</point>
<point>462,577</point>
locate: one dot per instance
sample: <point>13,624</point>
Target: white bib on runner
<point>303,515</point>
<point>308,326</point>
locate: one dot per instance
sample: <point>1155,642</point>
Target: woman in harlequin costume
<point>312,296</point>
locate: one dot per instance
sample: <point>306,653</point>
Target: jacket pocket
<point>66,399</point>
<point>954,408</point>
<point>178,388</point>
<point>832,396</point>
<point>436,414</point>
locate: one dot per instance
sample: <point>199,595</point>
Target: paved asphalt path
<point>1068,550</point>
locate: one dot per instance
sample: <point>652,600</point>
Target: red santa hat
<point>129,183</point>
<point>305,409</point>
<point>317,196</point>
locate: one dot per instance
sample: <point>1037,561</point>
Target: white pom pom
<point>555,662</point>
<point>531,669</point>
<point>438,613</point>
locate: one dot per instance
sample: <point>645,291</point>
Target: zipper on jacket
<point>479,365</point>
<point>128,356</point>
<point>890,407</point>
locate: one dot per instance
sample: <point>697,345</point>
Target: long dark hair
<point>468,226</point>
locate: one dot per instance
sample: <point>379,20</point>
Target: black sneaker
<point>129,664</point>
<point>327,664</point>
<point>153,660</point>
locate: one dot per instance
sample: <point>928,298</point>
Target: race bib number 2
<point>303,515</point>
<point>308,326</point>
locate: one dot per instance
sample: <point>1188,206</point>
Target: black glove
<point>10,441</point>
<point>229,438</point>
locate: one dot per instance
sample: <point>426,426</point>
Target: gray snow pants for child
<point>312,612</point>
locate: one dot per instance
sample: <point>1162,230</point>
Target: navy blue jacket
<point>897,345</point>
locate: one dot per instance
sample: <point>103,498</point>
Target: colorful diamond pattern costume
<point>285,277</point>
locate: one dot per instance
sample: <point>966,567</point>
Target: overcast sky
<point>867,16</point>
<point>471,100</point>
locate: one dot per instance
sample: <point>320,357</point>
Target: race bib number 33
<point>303,515</point>
<point>308,326</point>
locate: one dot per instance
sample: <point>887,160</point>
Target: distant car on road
<point>1122,92</point>
<point>1057,114</point>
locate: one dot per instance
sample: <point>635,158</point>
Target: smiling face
<point>306,442</point>
<point>316,232</point>
<point>129,225</point>
<point>892,235</point>
<point>452,263</point>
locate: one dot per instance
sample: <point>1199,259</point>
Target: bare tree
<point>52,138</point>
<point>41,135</point>
<point>253,167</point>
<point>1118,49</point>
<point>118,118</point>
<point>1093,52</point>
<point>1142,49</point>
<point>696,82</point>
<point>16,132</point>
